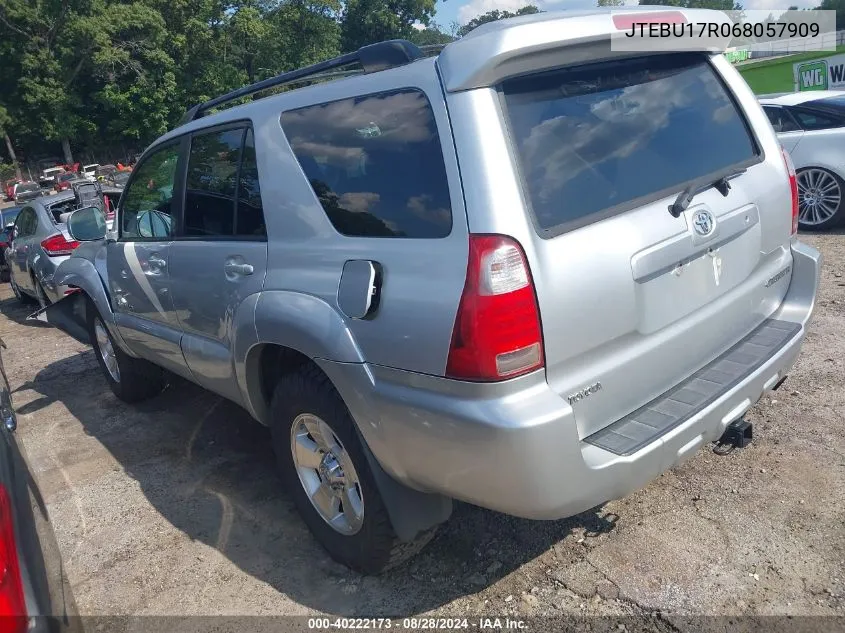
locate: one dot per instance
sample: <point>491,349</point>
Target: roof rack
<point>372,58</point>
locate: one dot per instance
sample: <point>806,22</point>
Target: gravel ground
<point>173,507</point>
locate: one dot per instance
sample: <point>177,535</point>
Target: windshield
<point>30,186</point>
<point>604,137</point>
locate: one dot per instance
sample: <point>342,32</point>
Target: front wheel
<point>820,199</point>
<point>324,466</point>
<point>130,379</point>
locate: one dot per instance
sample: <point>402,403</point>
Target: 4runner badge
<point>587,391</point>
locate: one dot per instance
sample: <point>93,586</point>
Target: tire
<point>368,545</point>
<point>134,379</point>
<point>20,295</point>
<point>828,189</point>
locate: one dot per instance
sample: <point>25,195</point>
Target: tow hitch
<point>737,435</point>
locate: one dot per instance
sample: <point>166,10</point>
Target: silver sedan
<point>40,243</point>
<point>811,127</point>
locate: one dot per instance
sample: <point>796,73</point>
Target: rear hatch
<point>633,300</point>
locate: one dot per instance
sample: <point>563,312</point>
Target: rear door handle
<point>232,268</point>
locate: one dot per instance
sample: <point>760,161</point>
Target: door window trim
<point>245,125</point>
<point>179,143</point>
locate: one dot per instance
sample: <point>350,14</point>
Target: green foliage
<point>492,16</point>
<point>121,72</point>
<point>432,35</point>
<point>839,7</point>
<point>611,3</point>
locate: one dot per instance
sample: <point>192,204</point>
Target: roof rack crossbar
<point>372,58</point>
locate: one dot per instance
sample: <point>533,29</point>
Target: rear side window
<point>375,163</point>
<point>598,139</point>
<point>814,120</point>
<point>222,197</point>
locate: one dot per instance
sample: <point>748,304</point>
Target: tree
<point>492,16</point>
<point>839,7</point>
<point>368,21</point>
<point>5,120</point>
<point>433,35</point>
<point>611,3</point>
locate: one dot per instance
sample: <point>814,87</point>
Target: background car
<point>40,243</point>
<point>89,171</point>
<point>118,178</point>
<point>35,594</point>
<point>103,171</point>
<point>48,177</point>
<point>7,227</point>
<point>9,188</point>
<point>811,127</point>
<point>26,191</point>
<point>64,181</point>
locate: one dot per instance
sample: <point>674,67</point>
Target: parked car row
<point>39,240</point>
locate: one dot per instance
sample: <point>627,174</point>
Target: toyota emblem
<point>703,222</point>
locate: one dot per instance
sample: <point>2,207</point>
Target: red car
<point>9,188</point>
<point>63,181</point>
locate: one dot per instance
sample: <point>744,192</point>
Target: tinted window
<point>814,120</point>
<point>26,222</point>
<point>212,181</point>
<point>31,186</point>
<point>250,217</point>
<point>595,137</point>
<point>150,194</point>
<point>375,164</point>
<point>780,119</point>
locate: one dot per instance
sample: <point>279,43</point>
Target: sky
<point>463,11</point>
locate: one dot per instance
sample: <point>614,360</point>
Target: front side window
<point>375,164</point>
<point>147,203</point>
<point>780,119</point>
<point>597,139</point>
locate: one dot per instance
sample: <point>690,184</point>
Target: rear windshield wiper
<point>722,185</point>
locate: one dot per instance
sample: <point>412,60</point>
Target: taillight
<point>57,245</point>
<point>793,185</point>
<point>12,604</point>
<point>497,328</point>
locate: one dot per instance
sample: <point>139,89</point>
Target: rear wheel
<point>130,379</point>
<point>820,199</point>
<point>324,466</point>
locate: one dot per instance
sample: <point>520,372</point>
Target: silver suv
<point>528,273</point>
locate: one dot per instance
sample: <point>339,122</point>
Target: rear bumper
<point>514,447</point>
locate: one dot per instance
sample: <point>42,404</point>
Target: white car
<point>811,127</point>
<point>89,171</point>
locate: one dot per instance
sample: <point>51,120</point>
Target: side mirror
<point>87,225</point>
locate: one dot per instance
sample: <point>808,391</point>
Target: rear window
<point>599,139</point>
<point>375,163</point>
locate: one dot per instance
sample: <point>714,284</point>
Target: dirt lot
<point>173,507</point>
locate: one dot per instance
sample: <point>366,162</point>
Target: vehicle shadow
<point>208,468</point>
<point>18,311</point>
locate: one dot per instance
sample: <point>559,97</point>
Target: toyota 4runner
<point>529,272</point>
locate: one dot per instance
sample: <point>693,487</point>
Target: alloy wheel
<point>819,196</point>
<point>106,349</point>
<point>327,474</point>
